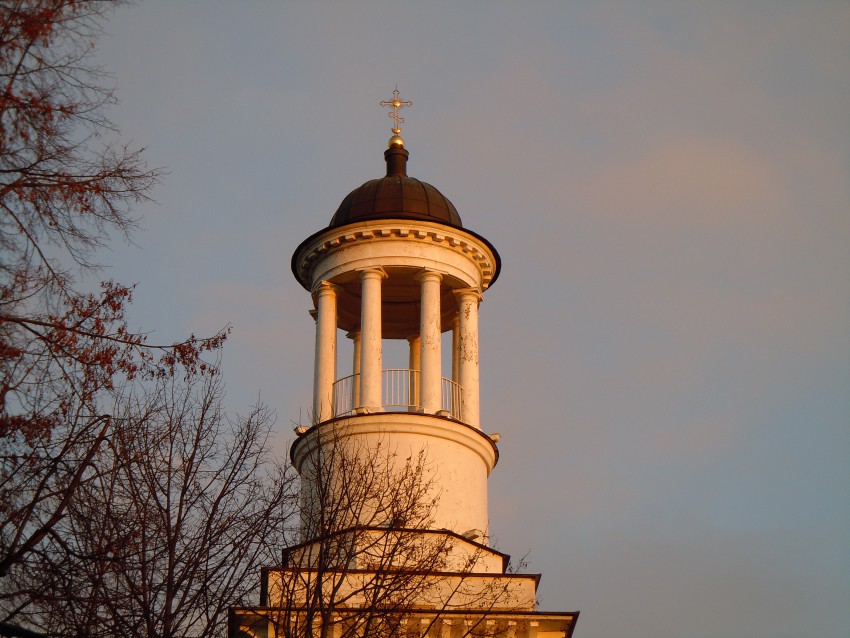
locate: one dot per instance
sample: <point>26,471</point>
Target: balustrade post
<point>371,362</point>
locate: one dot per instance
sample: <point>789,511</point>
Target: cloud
<point>704,183</point>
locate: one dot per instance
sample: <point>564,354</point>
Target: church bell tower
<point>396,263</point>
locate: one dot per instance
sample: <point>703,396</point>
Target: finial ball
<point>396,140</point>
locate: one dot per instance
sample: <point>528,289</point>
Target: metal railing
<point>400,389</point>
<point>451,399</point>
<point>399,393</point>
<point>345,393</point>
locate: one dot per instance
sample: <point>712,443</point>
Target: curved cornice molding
<point>387,423</point>
<point>464,242</point>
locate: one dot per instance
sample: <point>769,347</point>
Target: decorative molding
<point>427,273</point>
<point>458,241</point>
<point>385,423</point>
<point>460,293</point>
<point>325,287</point>
<point>379,272</point>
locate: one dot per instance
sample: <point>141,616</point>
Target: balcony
<point>399,393</point>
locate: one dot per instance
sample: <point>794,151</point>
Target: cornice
<point>383,423</point>
<point>471,245</point>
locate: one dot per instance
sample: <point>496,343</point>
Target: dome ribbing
<point>396,196</point>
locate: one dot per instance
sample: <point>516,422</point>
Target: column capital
<point>426,274</point>
<point>324,287</point>
<point>353,334</point>
<point>372,272</point>
<point>462,293</point>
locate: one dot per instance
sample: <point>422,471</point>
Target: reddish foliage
<point>90,344</point>
<point>63,194</point>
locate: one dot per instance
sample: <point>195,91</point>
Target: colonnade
<point>425,347</point>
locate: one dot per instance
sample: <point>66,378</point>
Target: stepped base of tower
<point>367,582</point>
<point>260,623</point>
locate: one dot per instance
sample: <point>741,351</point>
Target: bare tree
<point>368,561</point>
<point>64,190</point>
<point>171,534</point>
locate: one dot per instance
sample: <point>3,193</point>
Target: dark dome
<point>396,196</point>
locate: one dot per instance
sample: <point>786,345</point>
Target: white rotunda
<point>396,263</point>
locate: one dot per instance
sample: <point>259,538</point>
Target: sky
<point>666,353</point>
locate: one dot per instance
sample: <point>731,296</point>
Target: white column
<point>455,348</point>
<point>468,375</point>
<point>429,332</point>
<point>354,335</point>
<point>414,365</point>
<point>335,629</point>
<point>370,340</point>
<point>324,370</point>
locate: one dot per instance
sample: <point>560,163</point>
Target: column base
<point>369,409</point>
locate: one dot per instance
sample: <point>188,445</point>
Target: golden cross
<point>396,104</point>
